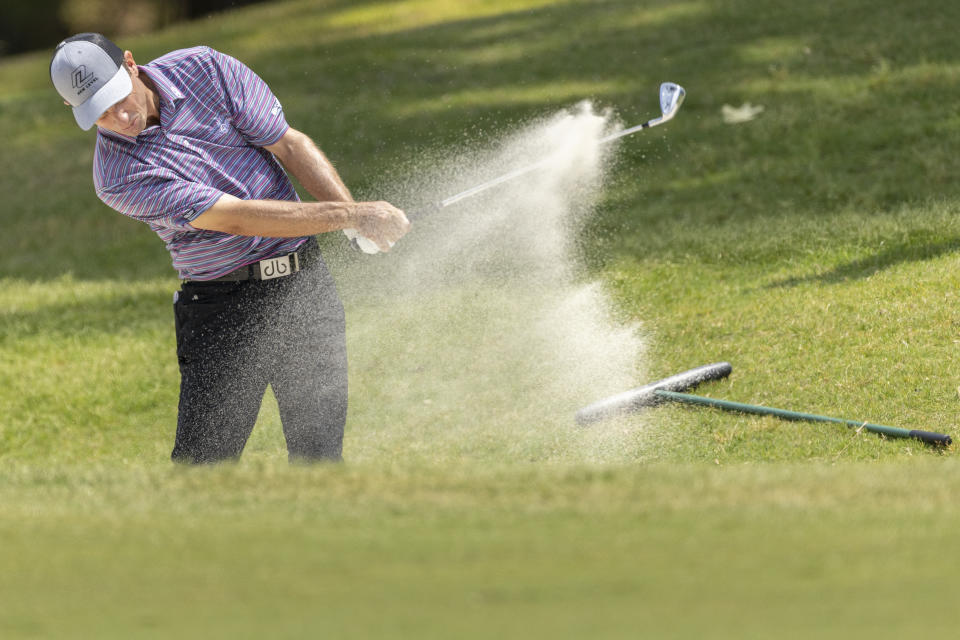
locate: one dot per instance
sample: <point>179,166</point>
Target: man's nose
<point>120,114</point>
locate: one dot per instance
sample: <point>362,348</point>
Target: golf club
<point>670,390</point>
<point>671,97</point>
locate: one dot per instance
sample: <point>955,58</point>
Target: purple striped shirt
<point>215,115</point>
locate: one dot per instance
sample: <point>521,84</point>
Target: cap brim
<point>116,89</point>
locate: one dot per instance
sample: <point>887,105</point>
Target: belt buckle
<point>279,266</point>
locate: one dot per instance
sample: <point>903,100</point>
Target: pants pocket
<point>197,325</point>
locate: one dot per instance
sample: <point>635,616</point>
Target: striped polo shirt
<point>215,115</point>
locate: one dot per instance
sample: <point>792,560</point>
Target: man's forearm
<point>380,222</point>
<point>277,218</point>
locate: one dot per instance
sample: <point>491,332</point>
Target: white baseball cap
<point>88,71</point>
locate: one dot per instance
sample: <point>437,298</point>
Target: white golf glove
<point>364,244</point>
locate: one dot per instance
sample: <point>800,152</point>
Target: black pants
<point>234,338</point>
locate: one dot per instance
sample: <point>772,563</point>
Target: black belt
<point>269,268</point>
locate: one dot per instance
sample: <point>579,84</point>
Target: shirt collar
<point>169,94</point>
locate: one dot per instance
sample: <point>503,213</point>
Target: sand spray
<point>480,335</point>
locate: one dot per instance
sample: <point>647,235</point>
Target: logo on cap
<point>81,79</point>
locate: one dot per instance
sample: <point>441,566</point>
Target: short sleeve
<point>257,113</point>
<point>158,197</point>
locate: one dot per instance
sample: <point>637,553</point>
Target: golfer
<point>192,145</point>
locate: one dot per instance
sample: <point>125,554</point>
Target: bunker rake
<point>672,390</point>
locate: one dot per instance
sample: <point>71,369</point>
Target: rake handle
<point>931,437</point>
<point>928,437</point>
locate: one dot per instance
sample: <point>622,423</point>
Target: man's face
<point>129,116</point>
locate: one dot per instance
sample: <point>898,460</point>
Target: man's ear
<point>131,64</point>
<point>66,103</point>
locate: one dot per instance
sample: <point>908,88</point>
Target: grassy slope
<point>814,248</point>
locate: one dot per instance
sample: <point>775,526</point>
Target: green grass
<point>357,551</point>
<point>815,248</point>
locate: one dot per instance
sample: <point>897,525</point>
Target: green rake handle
<point>894,432</point>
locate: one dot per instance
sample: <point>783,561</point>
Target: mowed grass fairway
<point>815,248</point>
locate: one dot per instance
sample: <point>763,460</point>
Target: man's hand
<point>381,223</point>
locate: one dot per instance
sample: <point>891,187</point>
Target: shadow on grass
<point>870,265</point>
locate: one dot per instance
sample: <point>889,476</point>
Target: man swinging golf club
<point>189,144</point>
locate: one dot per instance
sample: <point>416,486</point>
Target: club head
<point>671,97</point>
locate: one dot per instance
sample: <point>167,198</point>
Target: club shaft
<point>726,405</point>
<point>627,132</point>
<point>516,173</point>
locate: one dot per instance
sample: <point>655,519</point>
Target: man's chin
<point>135,129</point>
